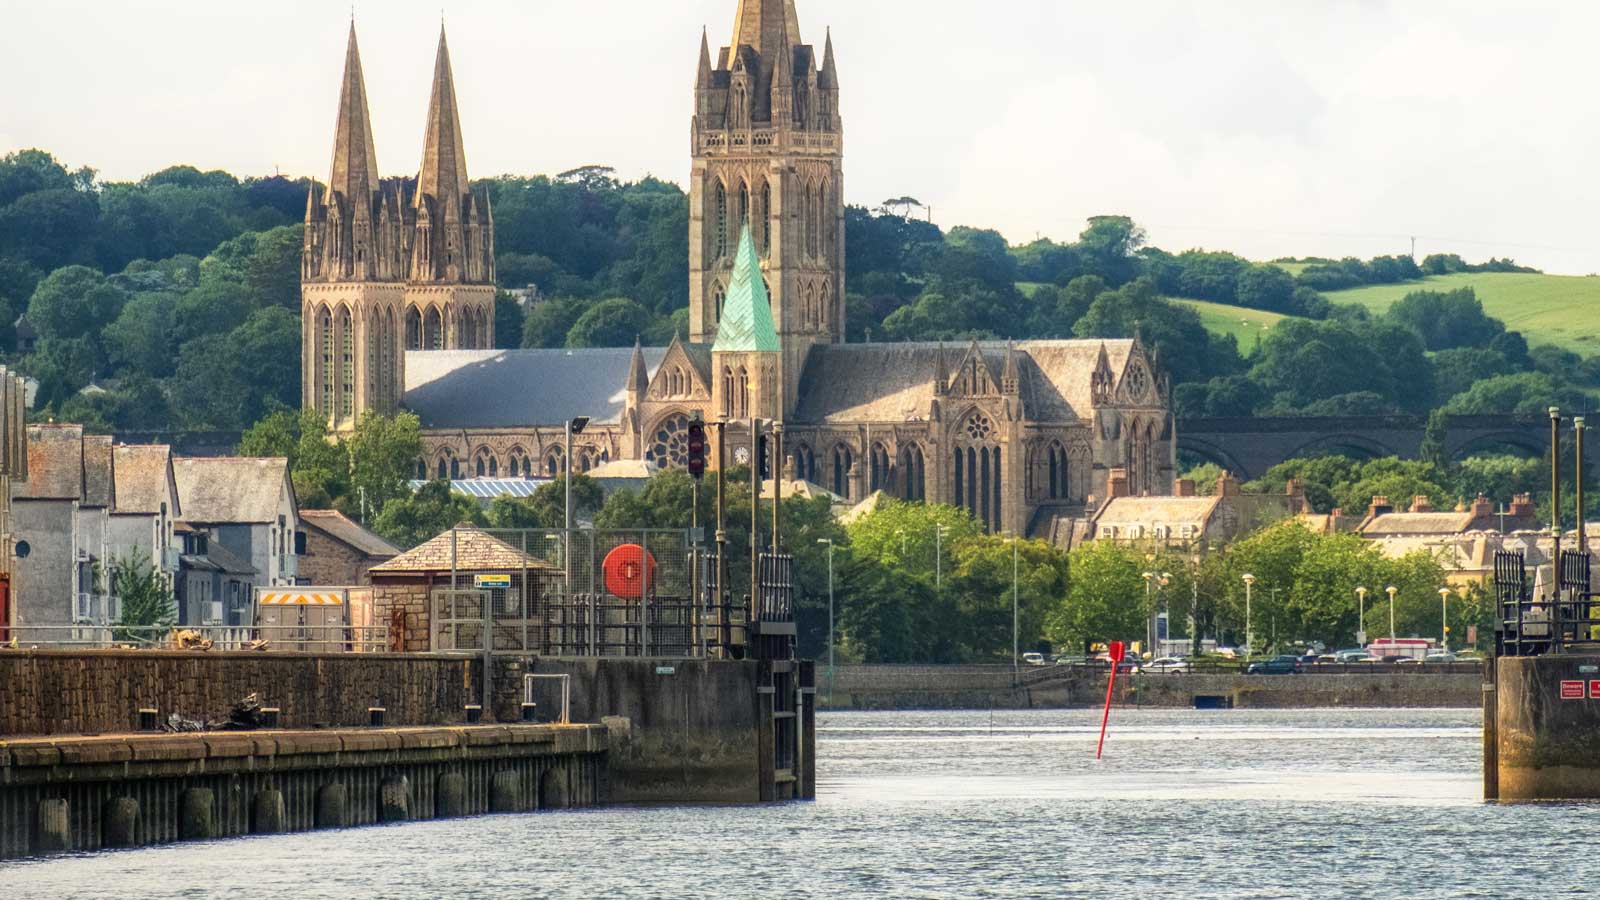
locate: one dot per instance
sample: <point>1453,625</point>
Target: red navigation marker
<point>1572,690</point>
<point>1116,651</point>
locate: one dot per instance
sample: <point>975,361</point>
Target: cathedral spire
<point>444,159</point>
<point>354,174</point>
<point>762,25</point>
<point>638,372</point>
<point>703,78</point>
<point>830,72</point>
<point>747,312</point>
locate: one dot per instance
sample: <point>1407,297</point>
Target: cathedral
<point>398,305</point>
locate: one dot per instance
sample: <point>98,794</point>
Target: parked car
<point>1072,660</point>
<point>1352,655</point>
<point>1226,652</point>
<point>1167,664</point>
<point>1434,658</point>
<point>1277,665</point>
<point>1033,659</point>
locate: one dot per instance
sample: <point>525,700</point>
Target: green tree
<point>1105,599</point>
<point>74,302</point>
<point>610,323</point>
<point>382,452</point>
<point>434,509</point>
<point>146,599</point>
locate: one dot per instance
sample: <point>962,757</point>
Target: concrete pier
<point>1546,729</point>
<point>69,794</point>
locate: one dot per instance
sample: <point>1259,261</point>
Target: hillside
<point>1548,309</point>
<point>1246,325</point>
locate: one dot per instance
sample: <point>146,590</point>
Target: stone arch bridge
<point>1248,447</point>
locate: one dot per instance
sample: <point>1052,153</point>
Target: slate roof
<point>55,464</point>
<point>218,558</point>
<point>1152,511</point>
<point>746,324</point>
<point>471,550</point>
<point>341,528</point>
<point>1427,523</point>
<point>866,383</point>
<point>140,474</point>
<point>519,388</point>
<point>231,489</point>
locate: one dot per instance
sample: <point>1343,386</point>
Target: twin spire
<point>355,158</point>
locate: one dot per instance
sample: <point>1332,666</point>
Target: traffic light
<point>763,467</point>
<point>697,449</point>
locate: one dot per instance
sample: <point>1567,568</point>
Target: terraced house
<point>1022,435</point>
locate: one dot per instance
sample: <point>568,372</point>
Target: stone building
<point>247,508</point>
<point>337,551</point>
<point>1023,435</point>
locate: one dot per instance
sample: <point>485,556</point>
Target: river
<point>1240,804</point>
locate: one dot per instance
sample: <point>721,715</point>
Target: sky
<point>1266,127</point>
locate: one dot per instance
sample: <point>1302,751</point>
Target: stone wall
<point>44,692</point>
<point>331,563</point>
<point>402,604</point>
<point>1547,742</point>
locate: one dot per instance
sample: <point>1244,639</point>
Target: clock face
<point>742,456</point>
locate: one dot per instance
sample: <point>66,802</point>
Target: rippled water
<point>1251,804</point>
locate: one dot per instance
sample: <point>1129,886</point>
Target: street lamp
<point>1444,619</point>
<point>1249,634</point>
<point>1361,629</point>
<point>1391,590</point>
<point>1150,618</point>
<point>938,555</point>
<point>575,425</point>
<point>1016,648</point>
<point>829,542</point>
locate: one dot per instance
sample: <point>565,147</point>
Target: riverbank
<point>998,687</point>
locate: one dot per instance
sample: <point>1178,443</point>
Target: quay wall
<point>75,794</point>
<point>992,687</point>
<point>1546,741</point>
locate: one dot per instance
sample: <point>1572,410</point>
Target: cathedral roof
<point>848,383</point>
<point>746,324</point>
<point>519,388</point>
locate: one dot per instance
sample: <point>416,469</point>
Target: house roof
<point>1153,511</point>
<point>341,528</point>
<point>218,558</point>
<point>142,478</point>
<point>231,489</point>
<point>1421,523</point>
<point>520,388</point>
<point>55,464</point>
<point>865,383</point>
<point>98,487</point>
<point>463,549</point>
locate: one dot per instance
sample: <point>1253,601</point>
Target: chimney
<point>1380,507</point>
<point>1420,504</point>
<point>1117,483</point>
<point>1227,485</point>
<point>1183,488</point>
<point>1296,489</point>
<point>1337,514</point>
<point>1522,506</point>
<point>1482,508</point>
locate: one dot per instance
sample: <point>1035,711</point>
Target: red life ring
<point>625,571</point>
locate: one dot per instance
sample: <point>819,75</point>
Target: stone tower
<point>450,273</point>
<point>353,272</point>
<point>768,155</point>
<point>384,271</point>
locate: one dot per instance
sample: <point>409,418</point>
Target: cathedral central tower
<point>768,148</point>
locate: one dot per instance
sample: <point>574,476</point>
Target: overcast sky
<point>1266,127</point>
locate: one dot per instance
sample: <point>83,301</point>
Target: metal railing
<point>1565,619</point>
<point>270,638</point>
<point>1038,674</point>
<point>566,693</point>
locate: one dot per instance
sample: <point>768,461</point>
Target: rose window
<point>670,444</point>
<point>979,428</point>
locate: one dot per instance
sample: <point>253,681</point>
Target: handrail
<point>566,693</point>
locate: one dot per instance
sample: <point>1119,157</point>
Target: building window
<point>433,331</point>
<point>880,475</point>
<point>766,219</point>
<point>913,478</point>
<point>669,444</point>
<point>720,210</point>
<point>843,463</point>
<point>413,329</point>
<point>325,338</point>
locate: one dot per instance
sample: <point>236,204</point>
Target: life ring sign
<point>629,571</point>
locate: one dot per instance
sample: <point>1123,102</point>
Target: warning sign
<point>1572,690</point>
<point>1594,690</point>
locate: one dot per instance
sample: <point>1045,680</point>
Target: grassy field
<point>1547,309</point>
<point>1244,324</point>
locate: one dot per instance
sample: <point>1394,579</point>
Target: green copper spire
<point>746,324</point>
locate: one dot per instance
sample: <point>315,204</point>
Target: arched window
<point>1060,471</point>
<point>720,210</point>
<point>825,308</point>
<point>720,295</point>
<point>766,218</point>
<point>741,394</point>
<point>728,387</point>
<point>744,204</point>
<point>913,478</point>
<point>824,220</point>
<point>413,329</point>
<point>447,467</point>
<point>843,463</point>
<point>485,465</point>
<point>433,330</point>
<point>347,365</point>
<point>805,463</point>
<point>554,462</point>
<point>880,475</point>
<point>390,376</point>
<point>977,470</point>
<point>517,464</point>
<point>811,219</point>
<point>422,470</point>
<point>325,379</point>
<point>374,379</point>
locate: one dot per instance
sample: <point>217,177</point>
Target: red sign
<point>1117,651</point>
<point>1572,690</point>
<point>1594,690</point>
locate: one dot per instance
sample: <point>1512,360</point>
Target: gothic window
<point>727,392</point>
<point>587,458</point>
<point>811,220</point>
<point>486,465</point>
<point>468,330</point>
<point>719,295</point>
<point>422,470</point>
<point>977,428</point>
<point>374,372</point>
<point>766,218</point>
<point>880,475</point>
<point>913,478</point>
<point>843,462</point>
<point>1060,471</point>
<point>720,210</point>
<point>554,462</point>
<point>387,363</point>
<point>347,365</point>
<point>744,204</point>
<point>825,308</point>
<point>805,463</point>
<point>517,464</point>
<point>433,330</point>
<point>977,471</point>
<point>741,394</point>
<point>669,443</point>
<point>413,329</point>
<point>325,340</point>
<point>447,466</point>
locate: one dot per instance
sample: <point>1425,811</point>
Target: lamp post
<point>938,556</point>
<point>575,425</point>
<point>1016,634</point>
<point>829,542</point>
<point>1361,629</point>
<point>1444,619</point>
<point>1249,634</point>
<point>1391,590</point>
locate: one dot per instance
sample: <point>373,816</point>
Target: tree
<point>382,452</point>
<point>549,322</point>
<point>434,509</point>
<point>1526,393</point>
<point>508,321</point>
<point>1435,440</point>
<point>610,323</point>
<point>74,302</point>
<point>1105,599</point>
<point>146,599</point>
<point>142,339</point>
<point>982,587</point>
